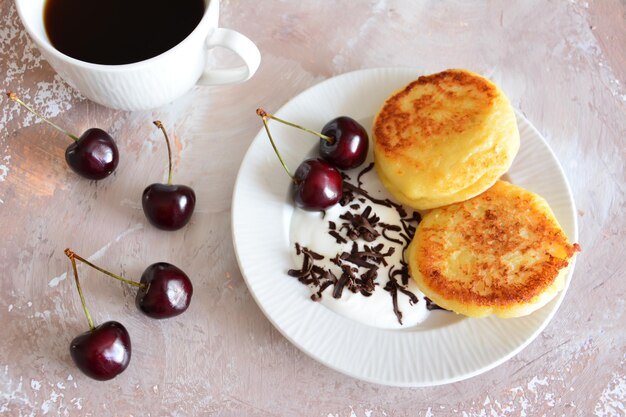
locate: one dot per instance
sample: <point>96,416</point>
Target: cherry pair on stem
<point>104,351</point>
<point>317,183</point>
<point>94,155</point>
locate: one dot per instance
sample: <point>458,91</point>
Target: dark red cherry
<point>102,353</point>
<point>317,185</point>
<point>168,207</point>
<point>167,292</point>
<point>349,144</point>
<point>94,155</point>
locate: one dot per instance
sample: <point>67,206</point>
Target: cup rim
<point>44,43</point>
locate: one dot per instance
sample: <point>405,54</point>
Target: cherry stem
<point>70,254</point>
<point>11,95</point>
<point>80,293</point>
<point>158,124</point>
<point>265,114</point>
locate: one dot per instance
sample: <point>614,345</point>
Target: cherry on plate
<point>349,143</point>
<point>317,185</point>
<point>343,141</point>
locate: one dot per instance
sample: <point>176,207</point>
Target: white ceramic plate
<point>445,350</point>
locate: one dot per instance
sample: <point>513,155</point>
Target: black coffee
<point>118,32</point>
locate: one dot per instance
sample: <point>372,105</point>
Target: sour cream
<point>310,229</point>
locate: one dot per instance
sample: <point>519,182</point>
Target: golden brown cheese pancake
<point>444,138</point>
<point>502,252</point>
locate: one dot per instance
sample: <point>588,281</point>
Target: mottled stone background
<point>562,63</point>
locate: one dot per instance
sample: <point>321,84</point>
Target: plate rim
<point>462,376</point>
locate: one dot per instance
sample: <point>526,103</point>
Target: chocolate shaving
<point>347,197</point>
<point>390,227</point>
<point>407,228</point>
<point>337,236</point>
<point>318,295</point>
<point>356,260</point>
<point>403,272</point>
<point>367,282</point>
<point>332,225</point>
<point>430,305</point>
<point>392,288</point>
<point>343,280</point>
<point>363,172</point>
<point>374,255</point>
<point>312,254</point>
<point>415,218</point>
<point>305,270</point>
<point>412,297</point>
<point>307,280</point>
<point>330,277</point>
<point>391,239</point>
<point>317,271</point>
<point>356,190</point>
<point>360,225</point>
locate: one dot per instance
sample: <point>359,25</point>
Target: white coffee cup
<point>152,82</point>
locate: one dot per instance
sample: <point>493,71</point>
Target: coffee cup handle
<point>239,44</point>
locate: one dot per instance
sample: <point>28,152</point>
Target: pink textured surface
<point>563,64</point>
